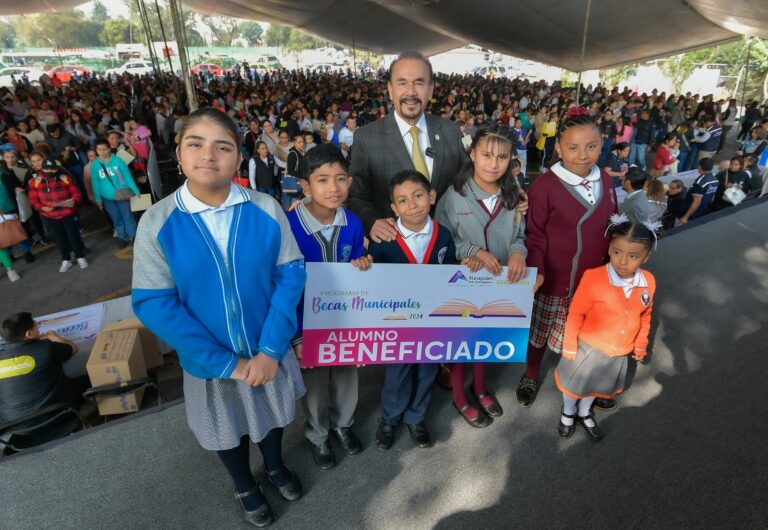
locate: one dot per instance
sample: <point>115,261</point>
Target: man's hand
<point>516,268</point>
<point>489,262</point>
<point>383,230</point>
<point>363,263</point>
<point>539,282</point>
<point>683,220</point>
<point>473,263</point>
<point>262,369</point>
<point>100,206</point>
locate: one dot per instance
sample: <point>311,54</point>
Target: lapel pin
<point>437,137</point>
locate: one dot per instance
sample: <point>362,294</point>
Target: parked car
<point>16,73</point>
<point>270,61</point>
<point>323,68</point>
<point>204,68</point>
<point>133,68</point>
<point>65,72</point>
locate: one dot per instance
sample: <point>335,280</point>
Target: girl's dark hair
<point>634,233</point>
<point>619,146</point>
<point>216,116</point>
<point>15,327</point>
<point>319,156</point>
<point>576,117</point>
<point>495,135</point>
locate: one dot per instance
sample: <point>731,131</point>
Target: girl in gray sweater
<point>479,210</point>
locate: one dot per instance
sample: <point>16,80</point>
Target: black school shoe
<point>605,403</point>
<point>481,421</point>
<point>292,490</point>
<point>494,409</point>
<point>260,517</point>
<point>566,430</point>
<point>323,455</point>
<point>385,435</point>
<point>526,392</point>
<point>595,433</point>
<point>420,435</point>
<point>348,440</point>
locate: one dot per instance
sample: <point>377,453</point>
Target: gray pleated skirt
<point>221,411</point>
<point>592,374</point>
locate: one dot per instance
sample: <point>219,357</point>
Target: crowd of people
<point>422,168</point>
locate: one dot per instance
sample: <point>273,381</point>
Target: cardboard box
<point>117,357</point>
<point>141,203</point>
<point>150,344</point>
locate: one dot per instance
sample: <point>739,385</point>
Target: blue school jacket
<point>210,311</point>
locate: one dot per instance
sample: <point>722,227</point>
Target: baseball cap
<point>49,164</point>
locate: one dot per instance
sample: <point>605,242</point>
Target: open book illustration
<point>456,307</point>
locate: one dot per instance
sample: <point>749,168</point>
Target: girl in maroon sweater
<point>569,208</point>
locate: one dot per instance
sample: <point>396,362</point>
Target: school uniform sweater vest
<point>441,249</point>
<point>345,244</point>
<point>564,238</point>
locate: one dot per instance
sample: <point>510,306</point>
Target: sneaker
<point>13,275</point>
<point>121,244</point>
<point>526,391</point>
<point>82,262</point>
<point>29,257</point>
<point>65,265</point>
<point>114,234</point>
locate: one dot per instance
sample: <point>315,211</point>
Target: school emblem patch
<point>346,252</point>
<point>441,255</point>
<point>645,298</point>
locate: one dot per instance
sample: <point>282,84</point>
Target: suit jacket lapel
<point>437,142</point>
<point>396,144</point>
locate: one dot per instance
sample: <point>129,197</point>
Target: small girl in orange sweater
<point>608,320</point>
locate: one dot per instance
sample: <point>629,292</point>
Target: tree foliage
<point>299,41</point>
<point>7,35</point>
<point>99,13</point>
<point>278,36</point>
<point>251,30</point>
<point>68,29</point>
<point>115,31</point>
<point>731,58</point>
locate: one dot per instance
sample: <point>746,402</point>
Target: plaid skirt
<point>548,321</point>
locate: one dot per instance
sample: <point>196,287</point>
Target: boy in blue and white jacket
<point>326,232</point>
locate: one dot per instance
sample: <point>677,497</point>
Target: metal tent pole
<point>165,40</point>
<point>583,50</point>
<point>148,32</point>
<point>181,40</point>
<point>746,75</point>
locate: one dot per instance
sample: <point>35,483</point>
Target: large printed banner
<point>413,314</point>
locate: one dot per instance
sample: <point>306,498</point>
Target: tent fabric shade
<point>548,31</point>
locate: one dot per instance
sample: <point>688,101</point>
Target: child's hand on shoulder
<point>489,261</point>
<point>522,204</point>
<point>473,263</point>
<point>362,264</point>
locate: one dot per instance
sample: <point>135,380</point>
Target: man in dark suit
<point>386,146</point>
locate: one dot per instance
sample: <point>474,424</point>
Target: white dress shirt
<point>217,219</point>
<point>588,188</point>
<point>627,284</point>
<point>346,137</point>
<point>417,241</point>
<point>405,132</point>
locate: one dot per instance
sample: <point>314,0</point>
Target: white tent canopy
<point>549,31</point>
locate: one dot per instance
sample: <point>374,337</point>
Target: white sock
<point>584,405</point>
<point>569,407</point>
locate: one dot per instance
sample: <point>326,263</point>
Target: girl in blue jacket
<point>218,275</point>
